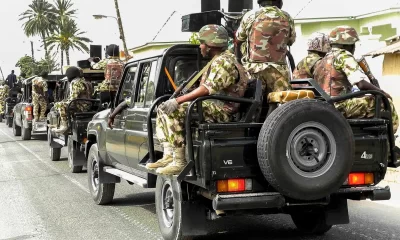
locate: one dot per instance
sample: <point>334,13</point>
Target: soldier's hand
<point>110,122</point>
<point>169,106</point>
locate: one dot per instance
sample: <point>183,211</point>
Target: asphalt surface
<point>40,199</point>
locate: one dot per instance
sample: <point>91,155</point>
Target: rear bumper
<point>276,200</point>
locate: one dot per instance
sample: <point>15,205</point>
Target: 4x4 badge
<point>365,155</point>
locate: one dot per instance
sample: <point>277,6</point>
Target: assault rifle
<point>365,67</point>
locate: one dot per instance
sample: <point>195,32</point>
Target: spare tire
<point>306,149</point>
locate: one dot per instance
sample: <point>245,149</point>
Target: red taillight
<point>28,113</point>
<point>234,185</point>
<point>360,179</point>
<point>28,108</point>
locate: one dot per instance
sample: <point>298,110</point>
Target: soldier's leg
<point>273,79</point>
<point>162,137</point>
<point>62,110</point>
<point>173,126</point>
<point>36,105</point>
<point>364,108</point>
<point>215,113</point>
<point>43,108</point>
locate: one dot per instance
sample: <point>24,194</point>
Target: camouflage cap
<point>214,36</point>
<point>344,35</point>
<point>319,42</point>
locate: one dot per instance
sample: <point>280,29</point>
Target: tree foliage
<point>30,67</point>
<point>194,38</point>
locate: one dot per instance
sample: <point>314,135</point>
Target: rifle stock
<point>365,67</point>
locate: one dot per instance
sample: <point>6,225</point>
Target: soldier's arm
<point>77,88</point>
<point>100,65</point>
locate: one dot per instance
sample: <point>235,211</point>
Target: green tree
<point>194,38</point>
<point>63,10</point>
<point>30,67</point>
<point>68,37</point>
<point>39,21</point>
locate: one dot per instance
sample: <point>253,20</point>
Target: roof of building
<point>392,47</point>
<point>312,9</point>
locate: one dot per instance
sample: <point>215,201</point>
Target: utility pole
<point>1,70</point>
<point>33,53</point>
<point>121,29</point>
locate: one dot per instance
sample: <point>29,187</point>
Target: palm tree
<point>39,21</point>
<point>62,9</point>
<point>68,37</point>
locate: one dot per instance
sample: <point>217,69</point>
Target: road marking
<point>74,181</point>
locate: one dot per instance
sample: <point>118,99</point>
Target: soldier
<point>78,89</point>
<point>223,75</point>
<point>113,68</point>
<point>4,89</point>
<point>339,72</point>
<point>318,46</point>
<point>39,96</point>
<point>267,32</point>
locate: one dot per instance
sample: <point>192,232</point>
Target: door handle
<point>144,127</point>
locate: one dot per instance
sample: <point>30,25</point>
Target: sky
<point>141,20</point>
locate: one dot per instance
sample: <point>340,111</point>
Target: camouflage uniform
<point>78,89</point>
<point>339,71</point>
<point>39,88</point>
<point>318,43</point>
<point>113,68</point>
<point>222,77</point>
<point>267,32</point>
<point>4,89</point>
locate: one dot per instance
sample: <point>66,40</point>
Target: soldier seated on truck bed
<point>79,88</point>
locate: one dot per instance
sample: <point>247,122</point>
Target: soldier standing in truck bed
<point>39,95</point>
<point>267,32</point>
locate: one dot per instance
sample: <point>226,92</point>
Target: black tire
<point>9,122</point>
<point>102,193</point>
<point>16,129</point>
<point>55,154</point>
<point>26,133</point>
<point>291,140</point>
<point>169,220</point>
<point>313,222</point>
<point>71,154</point>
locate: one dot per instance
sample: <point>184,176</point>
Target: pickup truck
<point>10,102</point>
<point>301,158</point>
<point>75,138</point>
<point>22,123</point>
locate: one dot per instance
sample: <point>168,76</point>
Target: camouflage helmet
<point>214,36</point>
<point>319,42</point>
<point>344,35</point>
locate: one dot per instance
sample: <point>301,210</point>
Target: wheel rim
<point>167,204</point>
<point>95,175</point>
<point>311,149</point>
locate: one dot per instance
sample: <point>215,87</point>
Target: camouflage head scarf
<point>344,35</point>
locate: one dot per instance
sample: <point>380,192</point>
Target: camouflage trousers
<point>39,102</point>
<point>61,107</point>
<point>170,128</point>
<point>273,79</point>
<point>2,105</point>
<point>364,108</point>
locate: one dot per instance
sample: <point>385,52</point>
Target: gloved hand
<point>169,106</point>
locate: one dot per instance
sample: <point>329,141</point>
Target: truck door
<point>136,123</point>
<point>115,140</point>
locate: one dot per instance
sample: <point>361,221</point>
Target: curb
<point>393,175</point>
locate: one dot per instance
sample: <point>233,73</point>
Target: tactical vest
<point>38,87</point>
<point>305,68</point>
<point>237,90</point>
<point>333,81</point>
<point>113,74</point>
<point>268,38</point>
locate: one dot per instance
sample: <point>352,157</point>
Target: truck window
<point>184,69</point>
<point>146,91</point>
<point>127,89</point>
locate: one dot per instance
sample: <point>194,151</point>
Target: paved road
<point>39,199</point>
